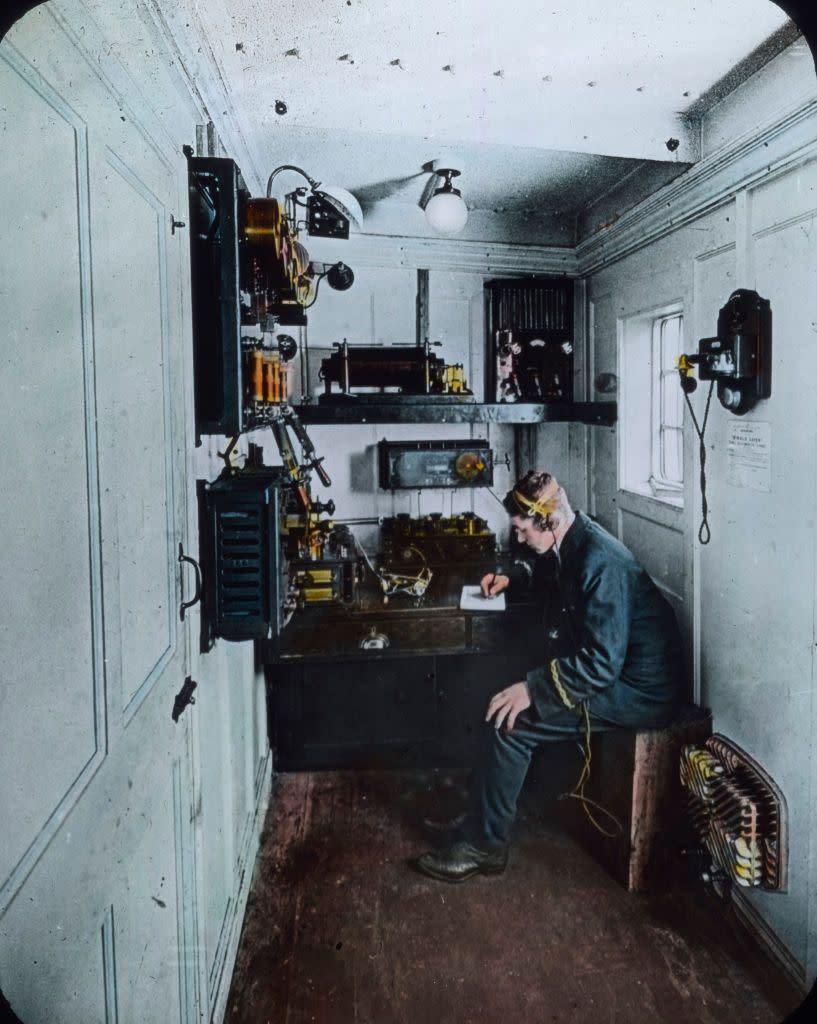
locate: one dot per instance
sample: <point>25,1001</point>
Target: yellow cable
<point>577,793</point>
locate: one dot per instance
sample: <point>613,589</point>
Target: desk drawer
<point>407,633</point>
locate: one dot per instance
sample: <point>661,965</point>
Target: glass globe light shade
<point>446,211</point>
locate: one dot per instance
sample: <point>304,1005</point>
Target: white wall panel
<point>51,628</point>
<point>379,309</point>
<point>657,543</point>
<point>106,917</point>
<point>133,373</point>
<point>758,574</point>
<point>146,923</point>
<point>756,578</point>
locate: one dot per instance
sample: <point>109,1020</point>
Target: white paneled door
<point>97,880</point>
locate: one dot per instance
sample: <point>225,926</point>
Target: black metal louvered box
<point>241,558</point>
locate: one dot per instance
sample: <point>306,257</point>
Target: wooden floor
<point>341,930</point>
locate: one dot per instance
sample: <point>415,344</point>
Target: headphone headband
<point>540,507</point>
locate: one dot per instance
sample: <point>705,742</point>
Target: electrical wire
<point>386,580</point>
<point>498,500</point>
<point>314,298</point>
<point>289,167</point>
<point>578,791</point>
<point>704,533</point>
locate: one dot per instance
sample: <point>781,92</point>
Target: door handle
<point>184,698</point>
<point>197,595</point>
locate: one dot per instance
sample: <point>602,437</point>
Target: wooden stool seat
<point>635,777</point>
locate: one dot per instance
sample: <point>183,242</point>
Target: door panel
<point>92,914</point>
<point>51,712</point>
<point>133,376</point>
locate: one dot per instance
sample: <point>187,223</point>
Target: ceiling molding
<point>204,79</point>
<point>77,24</point>
<point>754,157</point>
<point>460,256</point>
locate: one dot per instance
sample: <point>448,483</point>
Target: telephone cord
<point>704,533</point>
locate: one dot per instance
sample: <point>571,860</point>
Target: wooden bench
<point>635,776</point>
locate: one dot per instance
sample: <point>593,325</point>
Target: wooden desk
<point>417,702</point>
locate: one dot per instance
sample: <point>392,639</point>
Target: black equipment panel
<point>241,556</point>
<point>436,539</point>
<point>416,464</point>
<point>216,187</point>
<point>247,270</point>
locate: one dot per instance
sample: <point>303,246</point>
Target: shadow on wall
<point>362,470</point>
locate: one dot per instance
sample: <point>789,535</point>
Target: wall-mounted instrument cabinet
<point>407,465</point>
<point>530,340</point>
<point>217,192</point>
<point>240,550</point>
<point>250,279</point>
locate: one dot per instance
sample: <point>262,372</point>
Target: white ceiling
<point>545,105</point>
<point>592,76</point>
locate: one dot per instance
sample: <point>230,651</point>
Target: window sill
<point>667,511</point>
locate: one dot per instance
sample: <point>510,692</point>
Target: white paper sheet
<point>472,600</point>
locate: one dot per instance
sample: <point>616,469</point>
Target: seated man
<point>612,655</point>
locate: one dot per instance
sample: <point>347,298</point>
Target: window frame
<point>662,486</point>
<point>640,405</point>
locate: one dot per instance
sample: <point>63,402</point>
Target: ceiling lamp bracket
<point>445,210</point>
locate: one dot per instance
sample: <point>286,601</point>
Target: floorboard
<point>341,930</point>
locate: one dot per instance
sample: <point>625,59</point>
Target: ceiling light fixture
<point>446,211</point>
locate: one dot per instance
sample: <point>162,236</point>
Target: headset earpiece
<point>539,508</point>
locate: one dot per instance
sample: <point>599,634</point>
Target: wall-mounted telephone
<point>739,358</point>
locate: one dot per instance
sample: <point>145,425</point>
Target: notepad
<point>471,600</point>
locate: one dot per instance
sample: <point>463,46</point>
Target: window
<point>651,446</point>
<point>667,463</point>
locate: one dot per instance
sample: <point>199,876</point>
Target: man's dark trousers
<point>507,758</point>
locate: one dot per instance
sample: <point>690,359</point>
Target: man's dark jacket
<point>614,641</point>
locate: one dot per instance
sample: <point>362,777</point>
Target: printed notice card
<point>471,600</point>
<point>749,448</point>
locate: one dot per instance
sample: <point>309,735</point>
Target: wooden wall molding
<point>109,973</point>
<point>187,904</point>
<point>201,75</point>
<point>133,701</point>
<point>486,258</point>
<point>754,158</point>
<point>89,43</point>
<point>10,886</point>
<point>223,963</point>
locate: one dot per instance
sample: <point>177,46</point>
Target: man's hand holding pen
<point>492,584</point>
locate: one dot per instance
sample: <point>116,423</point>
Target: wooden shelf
<point>415,410</point>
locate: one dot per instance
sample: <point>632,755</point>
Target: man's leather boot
<point>461,861</point>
